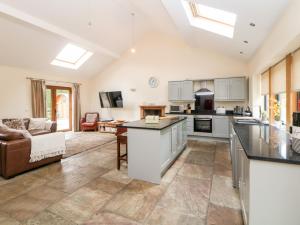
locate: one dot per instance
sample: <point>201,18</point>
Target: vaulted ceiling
<point>33,31</point>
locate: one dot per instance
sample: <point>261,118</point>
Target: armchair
<point>89,121</point>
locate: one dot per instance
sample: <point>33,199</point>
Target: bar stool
<point>121,139</point>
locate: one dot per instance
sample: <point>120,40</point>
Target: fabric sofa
<point>15,151</point>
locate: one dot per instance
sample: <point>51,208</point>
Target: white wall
<point>166,58</point>
<point>284,38</point>
<point>15,97</point>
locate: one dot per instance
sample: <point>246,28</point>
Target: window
<point>281,104</point>
<point>71,57</point>
<point>265,107</point>
<point>210,19</point>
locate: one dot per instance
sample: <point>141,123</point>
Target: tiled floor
<point>87,189</point>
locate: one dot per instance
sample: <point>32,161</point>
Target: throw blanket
<point>47,145</point>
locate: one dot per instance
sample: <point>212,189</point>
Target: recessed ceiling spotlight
<point>252,24</point>
<point>246,42</point>
<point>241,53</point>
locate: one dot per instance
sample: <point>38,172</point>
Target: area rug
<point>77,142</point>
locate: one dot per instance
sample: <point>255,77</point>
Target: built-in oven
<point>203,125</point>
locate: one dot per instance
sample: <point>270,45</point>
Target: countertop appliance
<point>220,110</point>
<point>203,125</point>
<point>239,110</point>
<point>176,109</point>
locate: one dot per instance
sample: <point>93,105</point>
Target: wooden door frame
<point>53,96</point>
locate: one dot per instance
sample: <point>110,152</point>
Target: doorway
<point>59,106</point>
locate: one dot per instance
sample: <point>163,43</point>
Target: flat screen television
<point>112,99</point>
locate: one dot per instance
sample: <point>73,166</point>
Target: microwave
<point>176,109</point>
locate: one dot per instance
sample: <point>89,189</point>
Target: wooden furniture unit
<point>121,139</point>
<point>102,125</point>
<point>148,109</point>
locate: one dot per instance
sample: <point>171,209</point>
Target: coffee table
<point>109,126</point>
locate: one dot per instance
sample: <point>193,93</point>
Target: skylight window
<point>211,19</point>
<point>71,57</point>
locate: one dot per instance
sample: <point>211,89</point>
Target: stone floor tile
<point>196,171</point>
<point>118,176</point>
<point>33,202</point>
<point>223,194</point>
<point>19,185</point>
<point>169,175</point>
<point>201,158</point>
<point>206,146</point>
<point>106,218</point>
<point>81,205</point>
<point>218,215</point>
<point>136,201</point>
<point>164,216</point>
<point>105,185</point>
<point>187,196</point>
<point>5,219</point>
<point>48,218</point>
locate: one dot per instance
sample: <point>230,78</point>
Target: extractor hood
<point>204,91</point>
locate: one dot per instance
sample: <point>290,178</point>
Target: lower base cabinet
<point>174,139</point>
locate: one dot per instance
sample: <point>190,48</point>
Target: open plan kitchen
<point>262,160</point>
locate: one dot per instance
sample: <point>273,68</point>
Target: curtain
<point>264,84</point>
<point>278,73</point>
<point>38,98</point>
<point>296,71</point>
<point>77,107</point>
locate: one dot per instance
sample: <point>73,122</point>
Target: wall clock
<point>153,82</point>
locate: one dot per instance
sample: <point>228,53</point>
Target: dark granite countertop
<point>163,123</point>
<point>267,143</point>
<point>228,113</point>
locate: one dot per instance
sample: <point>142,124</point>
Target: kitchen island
<point>268,175</point>
<point>152,148</point>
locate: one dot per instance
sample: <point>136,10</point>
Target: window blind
<point>264,84</point>
<point>296,71</point>
<point>278,78</point>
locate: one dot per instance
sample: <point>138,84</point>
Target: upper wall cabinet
<point>181,90</point>
<point>231,89</point>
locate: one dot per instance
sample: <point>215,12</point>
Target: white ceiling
<point>263,13</point>
<point>34,31</point>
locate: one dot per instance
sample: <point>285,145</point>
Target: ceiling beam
<point>17,14</point>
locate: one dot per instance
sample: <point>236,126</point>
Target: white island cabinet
<point>152,148</point>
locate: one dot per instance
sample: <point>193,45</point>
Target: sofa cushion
<point>91,117</point>
<point>7,134</point>
<point>17,124</point>
<point>37,124</point>
<point>11,136</point>
<point>37,132</point>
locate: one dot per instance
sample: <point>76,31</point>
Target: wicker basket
<point>296,144</point>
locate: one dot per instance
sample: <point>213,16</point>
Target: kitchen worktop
<point>163,123</point>
<point>228,113</point>
<point>267,143</point>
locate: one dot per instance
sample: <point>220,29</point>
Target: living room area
<point>125,112</point>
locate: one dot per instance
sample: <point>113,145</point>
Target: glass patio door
<point>59,106</point>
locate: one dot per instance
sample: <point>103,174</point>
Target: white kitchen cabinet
<point>174,139</point>
<point>221,89</point>
<point>181,90</point>
<point>220,126</point>
<point>166,143</point>
<point>187,90</point>
<point>243,175</point>
<point>184,134</point>
<point>230,89</point>
<point>237,89</point>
